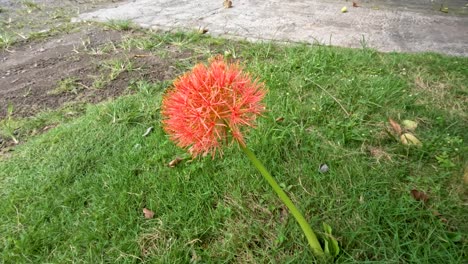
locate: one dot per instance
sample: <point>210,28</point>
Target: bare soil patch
<point>47,63</point>
<point>32,65</point>
<point>30,75</point>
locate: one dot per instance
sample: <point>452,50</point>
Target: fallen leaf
<point>148,213</point>
<point>48,127</point>
<point>279,119</point>
<point>355,4</point>
<point>409,125</point>
<point>409,139</point>
<point>148,131</point>
<point>443,219</point>
<point>419,195</point>
<point>227,4</point>
<point>202,30</point>
<point>175,161</point>
<point>378,154</point>
<point>283,214</point>
<point>310,129</point>
<point>396,127</point>
<point>344,9</point>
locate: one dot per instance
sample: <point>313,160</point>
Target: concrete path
<point>384,28</point>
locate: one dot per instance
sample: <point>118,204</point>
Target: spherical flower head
<point>210,106</point>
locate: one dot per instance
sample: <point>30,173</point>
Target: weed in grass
<point>110,70</point>
<point>6,40</point>
<point>141,43</point>
<point>67,85</point>
<point>121,25</point>
<point>146,88</point>
<point>102,49</point>
<point>38,35</point>
<point>85,43</point>
<point>100,81</point>
<point>118,66</point>
<point>182,39</point>
<point>8,125</point>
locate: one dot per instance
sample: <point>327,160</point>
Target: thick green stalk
<point>310,235</point>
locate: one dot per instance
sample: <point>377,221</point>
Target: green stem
<point>310,235</point>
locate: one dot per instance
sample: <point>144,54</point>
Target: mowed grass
<point>76,193</point>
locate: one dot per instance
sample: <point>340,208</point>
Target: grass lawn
<point>76,192</point>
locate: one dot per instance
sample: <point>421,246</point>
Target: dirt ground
<point>49,72</point>
<point>32,76</point>
<point>52,63</point>
<point>30,68</point>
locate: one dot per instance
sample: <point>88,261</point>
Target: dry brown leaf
<point>283,214</point>
<point>420,83</point>
<point>48,127</point>
<point>175,161</point>
<point>378,154</point>
<point>142,55</point>
<point>410,139</point>
<point>395,126</point>
<point>419,195</point>
<point>355,4</point>
<point>279,119</point>
<point>227,4</point>
<point>148,213</point>
<point>439,215</point>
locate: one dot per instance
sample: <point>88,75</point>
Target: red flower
<point>209,104</point>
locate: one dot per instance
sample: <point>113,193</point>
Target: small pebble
<point>323,168</point>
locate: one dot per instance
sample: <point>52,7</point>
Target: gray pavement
<point>379,26</point>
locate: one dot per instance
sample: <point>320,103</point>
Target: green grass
<point>66,85</point>
<point>110,70</point>
<point>76,193</point>
<point>6,40</point>
<point>121,25</point>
